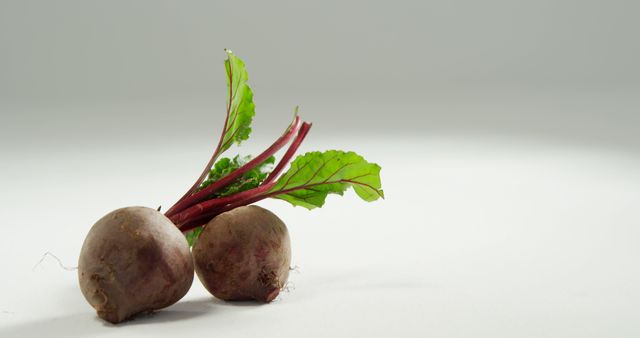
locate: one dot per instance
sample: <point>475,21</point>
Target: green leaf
<point>240,106</point>
<point>193,235</point>
<point>249,180</point>
<point>314,175</point>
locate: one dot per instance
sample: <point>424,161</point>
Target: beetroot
<point>134,260</point>
<point>244,254</point>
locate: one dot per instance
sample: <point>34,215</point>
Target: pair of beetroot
<point>135,260</point>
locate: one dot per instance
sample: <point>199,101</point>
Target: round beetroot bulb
<point>243,254</point>
<point>134,260</point>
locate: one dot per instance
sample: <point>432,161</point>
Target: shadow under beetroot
<point>87,323</point>
<point>237,303</point>
<point>178,312</point>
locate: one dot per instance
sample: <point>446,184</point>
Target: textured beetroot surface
<point>134,260</point>
<point>244,254</point>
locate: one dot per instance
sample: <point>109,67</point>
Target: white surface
<point>478,237</point>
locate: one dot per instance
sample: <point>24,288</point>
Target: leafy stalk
<point>230,178</point>
<point>240,108</point>
<point>251,179</point>
<point>237,124</point>
<point>205,208</point>
<point>309,180</point>
<point>229,183</point>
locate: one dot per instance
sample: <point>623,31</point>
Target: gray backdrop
<point>109,71</point>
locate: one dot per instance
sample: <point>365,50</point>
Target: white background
<point>508,134</point>
<point>483,237</point>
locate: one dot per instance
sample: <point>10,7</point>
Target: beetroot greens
<point>310,178</point>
